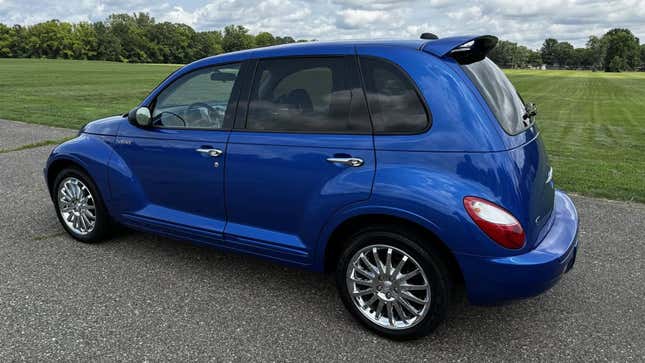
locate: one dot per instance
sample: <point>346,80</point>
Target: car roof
<point>309,48</point>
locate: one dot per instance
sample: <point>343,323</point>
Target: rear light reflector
<point>497,223</point>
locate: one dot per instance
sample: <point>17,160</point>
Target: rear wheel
<point>392,284</point>
<point>79,206</point>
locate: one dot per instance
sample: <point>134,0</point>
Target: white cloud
<point>525,22</point>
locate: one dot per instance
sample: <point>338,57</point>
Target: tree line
<point>136,38</point>
<point>616,51</point>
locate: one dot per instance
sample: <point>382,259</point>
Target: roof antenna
<point>429,36</point>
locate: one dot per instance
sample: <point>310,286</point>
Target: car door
<point>302,149</point>
<point>173,172</point>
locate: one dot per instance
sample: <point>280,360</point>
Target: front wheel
<point>392,284</point>
<point>79,206</point>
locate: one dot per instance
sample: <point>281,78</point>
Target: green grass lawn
<point>593,124</point>
<point>71,93</point>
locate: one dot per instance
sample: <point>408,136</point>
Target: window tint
<point>499,93</point>
<point>307,94</point>
<point>199,99</point>
<point>393,100</point>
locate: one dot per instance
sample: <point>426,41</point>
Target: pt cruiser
<point>404,167</point>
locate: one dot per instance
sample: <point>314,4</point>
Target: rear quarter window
<point>394,102</point>
<point>500,95</point>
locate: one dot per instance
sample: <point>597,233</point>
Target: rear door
<point>302,149</point>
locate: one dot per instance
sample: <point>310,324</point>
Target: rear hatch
<point>535,191</point>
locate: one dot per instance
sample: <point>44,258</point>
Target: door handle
<point>355,162</point>
<point>210,152</point>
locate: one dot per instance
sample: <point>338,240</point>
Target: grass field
<point>593,123</point>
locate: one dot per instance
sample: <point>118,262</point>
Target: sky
<point>527,23</point>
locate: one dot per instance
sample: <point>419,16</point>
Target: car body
<point>292,195</point>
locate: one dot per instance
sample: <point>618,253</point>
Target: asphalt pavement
<point>143,297</point>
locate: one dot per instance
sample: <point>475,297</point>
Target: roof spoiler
<point>464,49</point>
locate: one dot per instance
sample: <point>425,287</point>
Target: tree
<point>642,55</point>
<point>563,53</point>
<point>621,43</point>
<point>131,32</point>
<point>264,39</point>
<point>284,40</point>
<point>535,59</point>
<point>236,37</point>
<point>617,64</point>
<point>598,49</point>
<point>547,51</point>
<point>84,41</point>
<point>108,45</point>
<point>7,37</point>
<point>207,44</point>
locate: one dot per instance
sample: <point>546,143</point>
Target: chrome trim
<point>549,176</point>
<point>355,162</point>
<point>210,152</point>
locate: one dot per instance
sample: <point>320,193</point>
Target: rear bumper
<point>491,280</point>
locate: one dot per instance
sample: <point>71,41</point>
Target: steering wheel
<point>210,109</point>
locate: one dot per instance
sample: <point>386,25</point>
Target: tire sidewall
<point>102,218</point>
<point>435,271</point>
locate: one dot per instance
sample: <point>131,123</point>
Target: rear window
<point>502,98</point>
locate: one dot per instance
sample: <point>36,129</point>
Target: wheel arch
<point>337,238</point>
<point>57,165</point>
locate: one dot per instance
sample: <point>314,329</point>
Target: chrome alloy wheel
<point>76,206</point>
<point>388,287</point>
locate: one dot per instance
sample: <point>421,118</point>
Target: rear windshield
<point>501,96</point>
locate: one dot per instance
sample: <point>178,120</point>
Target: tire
<point>74,180</point>
<point>431,303</point>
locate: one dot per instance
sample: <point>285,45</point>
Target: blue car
<point>408,169</point>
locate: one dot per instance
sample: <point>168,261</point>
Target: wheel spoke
<point>408,296</point>
<point>371,301</point>
<point>409,307</point>
<point>377,259</point>
<point>408,287</point>
<point>399,266</point>
<point>390,313</point>
<point>399,311</point>
<point>361,282</point>
<point>358,268</point>
<point>362,292</point>
<point>409,275</point>
<point>368,263</point>
<point>379,309</point>
<point>388,262</point>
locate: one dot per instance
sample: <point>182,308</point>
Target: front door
<point>174,171</point>
<point>303,152</point>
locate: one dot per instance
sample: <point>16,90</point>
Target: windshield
<point>501,96</point>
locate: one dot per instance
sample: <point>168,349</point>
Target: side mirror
<point>140,116</point>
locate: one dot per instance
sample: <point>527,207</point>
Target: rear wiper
<point>531,111</point>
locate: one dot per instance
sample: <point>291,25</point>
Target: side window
<point>199,99</point>
<point>307,94</point>
<point>393,99</point>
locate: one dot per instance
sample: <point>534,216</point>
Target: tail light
<point>496,222</point>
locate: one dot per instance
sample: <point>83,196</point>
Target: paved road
<point>141,297</point>
<point>15,134</point>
